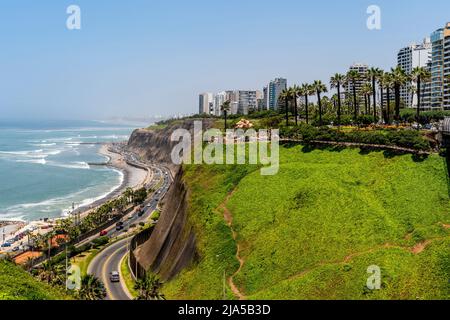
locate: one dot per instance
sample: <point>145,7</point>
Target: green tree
<point>225,108</point>
<point>336,82</point>
<point>295,91</point>
<point>285,96</point>
<point>306,91</point>
<point>387,82</point>
<point>374,74</point>
<point>380,81</point>
<point>366,91</point>
<point>91,288</point>
<point>352,77</point>
<point>399,79</point>
<point>419,75</point>
<point>149,288</point>
<point>319,88</point>
<point>51,273</point>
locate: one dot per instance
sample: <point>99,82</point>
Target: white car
<point>114,277</point>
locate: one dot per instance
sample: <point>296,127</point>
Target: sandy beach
<point>133,177</point>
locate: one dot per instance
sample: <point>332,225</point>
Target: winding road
<point>110,258</point>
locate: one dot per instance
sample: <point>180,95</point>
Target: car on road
<point>114,277</point>
<point>103,233</point>
<point>141,213</point>
<point>119,227</point>
<point>6,245</point>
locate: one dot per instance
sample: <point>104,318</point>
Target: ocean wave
<point>22,153</point>
<point>71,165</point>
<point>36,161</point>
<point>44,144</point>
<point>60,204</point>
<point>32,156</point>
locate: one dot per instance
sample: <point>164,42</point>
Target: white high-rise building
<point>219,100</point>
<point>273,92</point>
<point>409,58</point>
<point>206,103</point>
<point>247,101</point>
<point>362,70</point>
<point>440,69</point>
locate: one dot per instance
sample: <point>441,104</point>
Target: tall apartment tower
<point>247,101</point>
<point>409,58</point>
<point>219,100</point>
<point>265,99</point>
<point>440,69</point>
<point>446,82</point>
<point>205,103</point>
<point>274,90</point>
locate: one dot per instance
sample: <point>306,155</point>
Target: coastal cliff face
<point>172,245</point>
<point>156,146</point>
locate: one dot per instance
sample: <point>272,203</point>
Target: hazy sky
<point>145,57</point>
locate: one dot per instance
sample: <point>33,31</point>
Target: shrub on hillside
<point>401,138</point>
<point>408,139</point>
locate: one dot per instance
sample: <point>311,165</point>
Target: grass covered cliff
<point>17,284</point>
<point>311,231</point>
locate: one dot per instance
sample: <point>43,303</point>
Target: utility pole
<point>67,271</point>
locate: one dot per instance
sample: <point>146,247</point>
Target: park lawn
<point>84,259</point>
<point>17,284</point>
<point>312,230</point>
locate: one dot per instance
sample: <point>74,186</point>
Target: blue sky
<point>140,58</point>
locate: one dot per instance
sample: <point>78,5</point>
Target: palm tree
<point>399,79</point>
<point>387,81</point>
<point>91,288</point>
<point>295,90</point>
<point>352,77</point>
<point>366,91</point>
<point>286,96</point>
<point>149,288</point>
<point>381,86</point>
<point>225,108</point>
<point>319,88</point>
<point>374,74</point>
<point>336,81</point>
<point>306,91</point>
<point>419,75</point>
<point>51,273</point>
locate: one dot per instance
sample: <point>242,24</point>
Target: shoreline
<point>132,177</point>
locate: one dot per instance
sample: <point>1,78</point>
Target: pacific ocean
<point>44,166</point>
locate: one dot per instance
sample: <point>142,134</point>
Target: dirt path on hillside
<point>417,249</point>
<point>229,220</point>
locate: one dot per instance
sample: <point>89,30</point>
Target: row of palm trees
<point>387,82</point>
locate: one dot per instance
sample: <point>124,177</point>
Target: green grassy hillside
<point>16,284</point>
<point>312,231</point>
